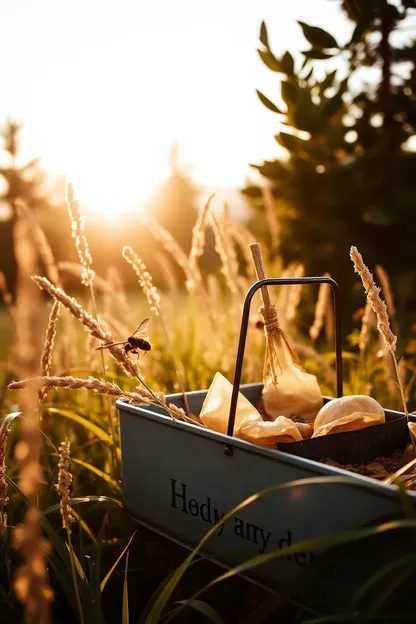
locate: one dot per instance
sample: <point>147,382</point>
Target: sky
<point>104,87</point>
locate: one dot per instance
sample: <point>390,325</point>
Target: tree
<point>175,203</point>
<point>20,182</point>
<point>348,177</point>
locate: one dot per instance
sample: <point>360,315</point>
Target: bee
<point>139,341</point>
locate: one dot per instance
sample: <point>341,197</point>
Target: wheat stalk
<point>42,244</point>
<point>198,235</point>
<point>46,359</point>
<point>100,283</point>
<point>387,292</point>
<point>294,294</point>
<point>78,233</point>
<point>89,323</point>
<point>192,276</point>
<point>383,322</point>
<point>320,311</point>
<point>4,498</point>
<point>63,485</point>
<point>226,252</point>
<point>63,488</point>
<point>138,397</point>
<point>373,297</point>
<point>31,580</point>
<point>145,279</point>
<point>168,273</point>
<point>243,237</point>
<point>366,323</point>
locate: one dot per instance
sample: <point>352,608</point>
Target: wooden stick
<point>258,263</point>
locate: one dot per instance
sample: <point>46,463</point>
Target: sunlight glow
<point>105,87</point>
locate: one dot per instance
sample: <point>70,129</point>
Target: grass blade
<point>103,475</point>
<point>125,609</point>
<point>317,543</point>
<point>74,417</point>
<point>205,609</point>
<point>311,544</point>
<point>105,500</point>
<point>115,564</point>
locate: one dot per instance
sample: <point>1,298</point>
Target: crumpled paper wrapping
<point>249,424</point>
<point>297,393</point>
<point>216,408</point>
<point>269,433</point>
<point>348,413</point>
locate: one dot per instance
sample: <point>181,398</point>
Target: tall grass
<point>196,338</point>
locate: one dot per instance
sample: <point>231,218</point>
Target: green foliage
<point>348,177</point>
<point>270,60</point>
<point>22,182</point>
<point>287,63</point>
<point>289,92</point>
<point>317,37</point>
<point>268,104</point>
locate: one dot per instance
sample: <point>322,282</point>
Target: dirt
<point>380,467</point>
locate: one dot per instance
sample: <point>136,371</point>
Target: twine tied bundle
<point>288,389</point>
<point>274,360</point>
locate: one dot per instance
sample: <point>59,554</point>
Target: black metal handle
<point>278,281</point>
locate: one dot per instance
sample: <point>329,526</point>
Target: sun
<point>114,189</point>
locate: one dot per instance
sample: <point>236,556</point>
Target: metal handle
<point>278,281</point>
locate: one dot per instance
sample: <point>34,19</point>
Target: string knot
<point>271,322</point>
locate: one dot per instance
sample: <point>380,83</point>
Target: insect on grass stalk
<point>87,278</point>
<point>153,299</point>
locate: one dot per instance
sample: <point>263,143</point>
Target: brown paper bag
<point>216,408</point>
<point>296,394</point>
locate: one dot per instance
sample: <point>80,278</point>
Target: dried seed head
<point>64,484</point>
<point>243,238</point>
<point>168,273</point>
<point>192,276</point>
<point>387,292</point>
<point>78,233</point>
<point>373,297</point>
<point>90,324</point>
<point>294,294</point>
<point>31,581</point>
<point>4,498</point>
<point>366,323</point>
<point>320,311</point>
<point>198,235</point>
<point>140,396</point>
<point>42,244</point>
<point>226,251</point>
<point>145,279</point>
<point>46,360</point>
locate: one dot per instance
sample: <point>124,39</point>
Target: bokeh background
<point>147,108</point>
